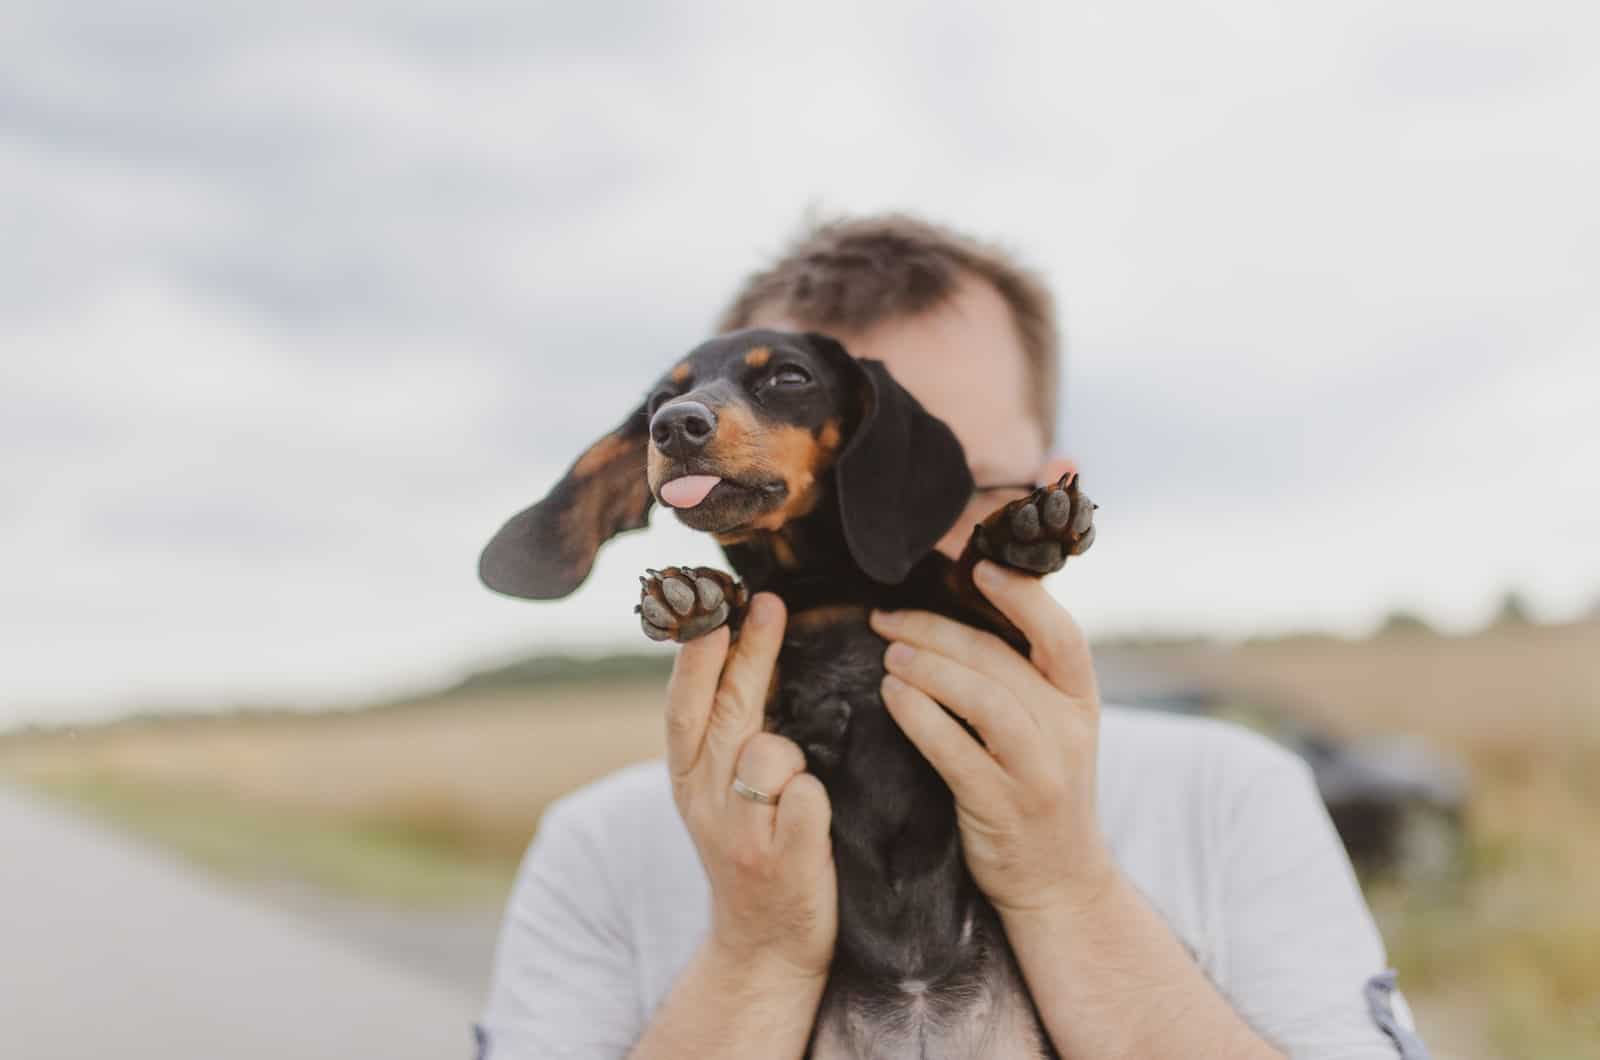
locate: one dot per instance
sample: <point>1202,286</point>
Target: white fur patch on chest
<point>992,1018</point>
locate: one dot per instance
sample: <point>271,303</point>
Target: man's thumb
<point>804,815</point>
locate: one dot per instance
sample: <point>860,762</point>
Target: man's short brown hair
<point>854,273</point>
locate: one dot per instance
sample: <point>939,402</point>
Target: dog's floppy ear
<point>546,551</point>
<point>902,478</point>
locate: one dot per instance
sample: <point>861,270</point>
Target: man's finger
<point>804,815</point>
<point>766,763</point>
<point>1058,647</point>
<point>1009,732</point>
<point>738,707</point>
<point>950,749</point>
<point>689,693</point>
<point>973,648</point>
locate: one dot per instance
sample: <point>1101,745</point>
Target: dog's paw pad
<point>1026,523</point>
<point>682,603</point>
<point>1037,533</point>
<point>708,593</point>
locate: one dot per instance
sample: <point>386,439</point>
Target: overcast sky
<point>298,301</point>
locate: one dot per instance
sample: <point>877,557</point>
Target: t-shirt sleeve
<point>1301,945</point>
<point>563,983</point>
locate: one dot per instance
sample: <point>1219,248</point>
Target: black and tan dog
<point>827,483</point>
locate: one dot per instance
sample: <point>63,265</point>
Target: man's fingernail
<point>899,654</point>
<point>886,619</point>
<point>892,684</point>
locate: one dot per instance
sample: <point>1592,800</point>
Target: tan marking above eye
<point>680,374</point>
<point>758,357</point>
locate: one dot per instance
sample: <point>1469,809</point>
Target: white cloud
<point>292,317</point>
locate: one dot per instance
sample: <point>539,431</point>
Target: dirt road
<point>109,949</point>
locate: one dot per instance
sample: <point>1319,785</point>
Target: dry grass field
<point>435,801</point>
<point>1507,955</point>
<point>429,801</point>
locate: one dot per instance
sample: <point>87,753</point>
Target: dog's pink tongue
<point>688,491</point>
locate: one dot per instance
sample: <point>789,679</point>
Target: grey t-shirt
<point>1222,831</point>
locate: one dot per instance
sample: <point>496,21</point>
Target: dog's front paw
<point>1037,533</point>
<point>682,603</point>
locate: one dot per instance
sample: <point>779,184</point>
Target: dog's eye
<point>789,375</point>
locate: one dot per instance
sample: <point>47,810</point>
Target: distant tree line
<point>549,670</point>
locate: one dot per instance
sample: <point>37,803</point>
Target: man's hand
<point>1107,974</point>
<point>773,886</point>
<point>1025,796</point>
<point>753,987</point>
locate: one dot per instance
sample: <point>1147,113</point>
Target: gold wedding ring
<point>741,788</point>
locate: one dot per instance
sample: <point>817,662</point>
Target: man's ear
<point>902,478</point>
<point>546,551</point>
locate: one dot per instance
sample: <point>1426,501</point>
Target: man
<point>1172,887</point>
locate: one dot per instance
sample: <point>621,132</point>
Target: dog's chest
<point>921,968</point>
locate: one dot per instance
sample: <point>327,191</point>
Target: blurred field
<point>1507,954</point>
<point>435,801</point>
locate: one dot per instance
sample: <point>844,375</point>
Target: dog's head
<point>741,438</point>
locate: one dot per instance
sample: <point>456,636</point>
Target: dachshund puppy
<point>825,482</point>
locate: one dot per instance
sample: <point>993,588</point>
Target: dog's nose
<point>683,428</point>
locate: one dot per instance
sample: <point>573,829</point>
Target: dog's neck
<point>805,561</point>
<point>808,564</point>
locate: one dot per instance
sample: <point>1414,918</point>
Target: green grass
<point>377,860</point>
<point>1516,922</point>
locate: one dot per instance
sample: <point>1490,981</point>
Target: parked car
<point>1398,805</point>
